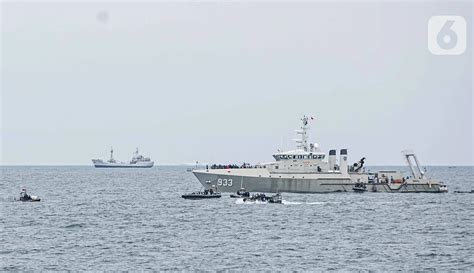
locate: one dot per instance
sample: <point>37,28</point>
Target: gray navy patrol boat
<point>307,170</point>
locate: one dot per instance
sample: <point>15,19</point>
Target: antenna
<point>302,143</point>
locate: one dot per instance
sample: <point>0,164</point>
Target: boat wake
<point>241,201</point>
<point>284,202</point>
<point>291,203</point>
<point>303,203</point>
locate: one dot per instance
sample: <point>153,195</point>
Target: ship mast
<point>302,142</point>
<point>111,153</point>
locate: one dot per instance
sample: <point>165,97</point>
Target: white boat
<point>138,161</point>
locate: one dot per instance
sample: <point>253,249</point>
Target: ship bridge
<point>306,158</point>
<point>298,154</point>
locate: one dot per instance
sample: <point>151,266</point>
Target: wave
<point>304,203</point>
<point>74,226</point>
<point>284,202</point>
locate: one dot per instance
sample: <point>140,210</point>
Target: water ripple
<point>91,219</point>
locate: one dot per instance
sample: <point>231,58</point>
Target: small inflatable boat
<point>25,197</point>
<point>262,198</point>
<point>359,187</point>
<point>207,194</point>
<point>240,194</point>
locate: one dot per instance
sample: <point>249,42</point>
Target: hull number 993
<point>224,182</point>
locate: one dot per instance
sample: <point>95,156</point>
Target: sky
<point>222,82</point>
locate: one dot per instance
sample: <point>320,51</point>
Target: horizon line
<point>188,165</point>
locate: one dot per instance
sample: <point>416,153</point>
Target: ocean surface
<point>135,219</point>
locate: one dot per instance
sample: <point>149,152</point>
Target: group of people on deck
<point>231,166</point>
<point>385,179</point>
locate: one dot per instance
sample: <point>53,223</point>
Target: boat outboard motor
<point>358,166</point>
<point>343,161</point>
<point>332,160</point>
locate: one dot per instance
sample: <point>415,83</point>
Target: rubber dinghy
<point>242,193</point>
<point>206,194</point>
<point>262,198</point>
<point>25,197</point>
<point>359,187</point>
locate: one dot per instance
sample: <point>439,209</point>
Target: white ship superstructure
<point>307,170</point>
<point>137,161</point>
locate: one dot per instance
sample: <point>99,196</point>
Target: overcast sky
<point>229,82</point>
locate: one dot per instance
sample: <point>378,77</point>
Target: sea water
<point>135,219</point>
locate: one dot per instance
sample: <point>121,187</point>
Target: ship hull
<point>266,183</point>
<point>123,165</point>
<point>261,181</point>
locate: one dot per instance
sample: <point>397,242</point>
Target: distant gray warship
<point>138,161</point>
<point>305,170</point>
